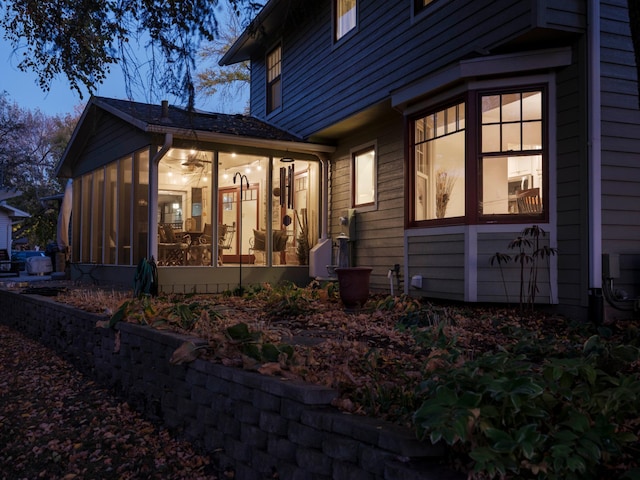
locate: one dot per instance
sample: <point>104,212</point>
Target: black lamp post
<point>243,179</point>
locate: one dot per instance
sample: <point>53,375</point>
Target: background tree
<point>225,84</point>
<point>83,39</point>
<point>30,145</point>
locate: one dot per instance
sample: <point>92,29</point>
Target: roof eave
<point>229,139</point>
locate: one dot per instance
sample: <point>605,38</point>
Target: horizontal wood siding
<point>491,286</point>
<point>379,233</point>
<point>439,259</point>
<point>620,145</point>
<point>111,140</point>
<point>324,83</point>
<point>571,180</point>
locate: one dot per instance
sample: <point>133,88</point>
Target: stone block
<point>281,448</point>
<point>273,423</point>
<point>313,461</point>
<point>305,436</point>
<point>343,449</point>
<point>252,435</point>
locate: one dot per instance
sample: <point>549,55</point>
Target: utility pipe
<point>594,164</point>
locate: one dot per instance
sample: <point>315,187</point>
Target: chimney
<point>165,111</point>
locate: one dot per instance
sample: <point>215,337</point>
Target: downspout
<point>596,304</point>
<point>153,193</point>
<point>320,256</point>
<point>324,224</point>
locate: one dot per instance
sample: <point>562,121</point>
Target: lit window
<point>511,157</point>
<point>420,5</point>
<point>274,79</point>
<point>439,154</point>
<point>508,148</point>
<point>345,21</point>
<point>364,177</point>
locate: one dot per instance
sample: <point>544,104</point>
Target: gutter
<point>226,138</point>
<point>153,192</point>
<point>596,305</point>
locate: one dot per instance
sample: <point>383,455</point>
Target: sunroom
<point>216,200</point>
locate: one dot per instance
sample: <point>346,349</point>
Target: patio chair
<point>172,249</point>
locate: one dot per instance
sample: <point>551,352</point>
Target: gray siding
<point>571,180</point>
<point>112,139</point>
<point>324,83</point>
<point>379,233</point>
<point>620,145</point>
<point>491,287</point>
<point>439,259</point>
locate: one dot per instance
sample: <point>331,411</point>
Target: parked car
<point>21,256</point>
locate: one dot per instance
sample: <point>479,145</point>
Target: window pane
<point>532,136</point>
<point>440,123</point>
<point>345,17</point>
<point>365,178</point>
<point>511,185</point>
<point>532,106</point>
<point>490,109</point>
<point>430,130</point>
<point>511,137</point>
<point>452,118</point>
<point>511,107</point>
<point>491,138</point>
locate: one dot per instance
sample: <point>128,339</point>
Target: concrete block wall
<point>257,426</point>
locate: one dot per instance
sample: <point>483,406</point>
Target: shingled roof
<point>146,115</point>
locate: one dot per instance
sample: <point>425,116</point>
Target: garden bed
<point>525,394</point>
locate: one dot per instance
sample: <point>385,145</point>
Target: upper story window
<point>345,17</point>
<point>363,168</point>
<point>503,148</point>
<point>419,5</point>
<point>274,79</point>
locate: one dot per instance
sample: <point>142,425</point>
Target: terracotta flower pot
<point>353,283</point>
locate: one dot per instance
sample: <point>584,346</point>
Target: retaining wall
<point>257,426</point>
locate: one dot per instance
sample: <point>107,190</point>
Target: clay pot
<point>353,283</point>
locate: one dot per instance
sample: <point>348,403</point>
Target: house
<point>8,216</point>
<point>436,130</point>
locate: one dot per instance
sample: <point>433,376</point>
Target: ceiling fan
<point>192,162</point>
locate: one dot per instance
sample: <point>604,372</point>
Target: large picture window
<point>506,139</point>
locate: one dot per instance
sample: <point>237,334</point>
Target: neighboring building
<point>448,127</point>
<point>8,217</point>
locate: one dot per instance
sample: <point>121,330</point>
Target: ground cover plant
<point>515,394</point>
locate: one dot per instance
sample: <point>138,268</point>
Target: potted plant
<point>353,284</point>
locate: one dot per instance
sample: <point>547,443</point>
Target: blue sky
<point>24,90</point>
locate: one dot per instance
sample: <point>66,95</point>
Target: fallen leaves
<point>56,424</point>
